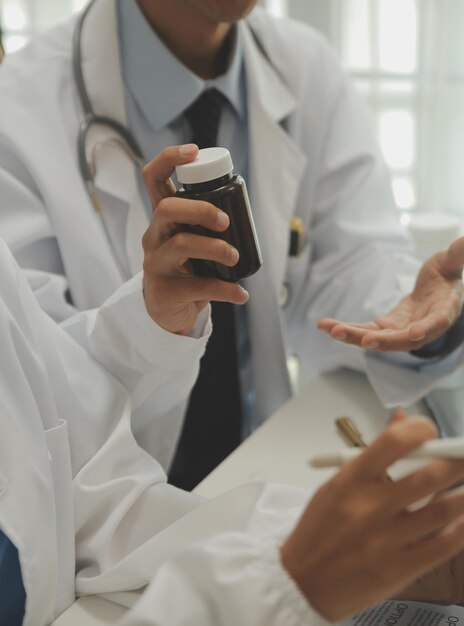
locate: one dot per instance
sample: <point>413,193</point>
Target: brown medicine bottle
<point>210,178</point>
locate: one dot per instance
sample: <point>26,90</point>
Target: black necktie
<point>212,426</point>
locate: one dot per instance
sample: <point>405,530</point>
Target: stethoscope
<point>121,135</point>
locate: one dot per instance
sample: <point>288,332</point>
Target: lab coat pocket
<point>296,272</point>
<point>60,459</point>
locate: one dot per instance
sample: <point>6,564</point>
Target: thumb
<point>454,258</point>
<point>157,173</point>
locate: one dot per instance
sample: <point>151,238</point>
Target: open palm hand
<point>419,318</point>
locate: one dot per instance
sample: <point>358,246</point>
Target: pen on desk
<point>353,437</point>
<point>451,448</point>
<point>349,432</point>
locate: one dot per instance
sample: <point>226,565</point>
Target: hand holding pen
<point>358,540</point>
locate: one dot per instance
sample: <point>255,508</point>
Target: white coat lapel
<point>273,199</point>
<point>277,164</point>
<point>116,173</point>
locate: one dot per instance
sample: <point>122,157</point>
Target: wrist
<point>290,557</point>
<point>299,570</point>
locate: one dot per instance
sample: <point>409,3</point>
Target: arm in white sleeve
<point>119,333</point>
<point>203,562</point>
<point>129,528</point>
<point>232,579</point>
<point>357,253</point>
<point>361,264</point>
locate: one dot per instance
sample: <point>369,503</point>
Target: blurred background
<point>406,58</point>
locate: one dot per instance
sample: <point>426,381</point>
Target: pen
<point>349,432</point>
<point>451,448</point>
<point>352,436</point>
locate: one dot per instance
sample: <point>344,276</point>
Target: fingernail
<point>421,338</point>
<point>234,256</point>
<point>187,149</point>
<point>222,219</point>
<point>373,345</point>
<point>245,293</point>
<point>341,336</point>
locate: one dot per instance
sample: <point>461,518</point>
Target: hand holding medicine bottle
<point>174,296</point>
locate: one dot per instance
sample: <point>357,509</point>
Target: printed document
<point>400,613</point>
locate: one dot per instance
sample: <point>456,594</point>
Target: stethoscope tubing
<point>90,118</point>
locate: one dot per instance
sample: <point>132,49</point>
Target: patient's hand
<point>428,312</point>
<point>443,585</point>
<point>360,541</point>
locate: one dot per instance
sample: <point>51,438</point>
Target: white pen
<point>451,448</point>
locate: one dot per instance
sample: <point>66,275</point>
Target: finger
<point>327,324</point>
<point>436,476</point>
<point>422,557</point>
<point>157,173</point>
<point>454,258</point>
<point>185,246</point>
<point>432,326</point>
<point>435,516</point>
<point>198,289</point>
<point>372,337</point>
<point>393,444</point>
<point>388,340</point>
<point>175,211</point>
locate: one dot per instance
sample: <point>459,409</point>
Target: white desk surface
<point>276,452</point>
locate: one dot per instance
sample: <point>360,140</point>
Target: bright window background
<point>406,58</point>
<point>21,19</point>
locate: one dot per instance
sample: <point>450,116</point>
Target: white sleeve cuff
<point>141,335</point>
<point>293,605</point>
<point>402,380</point>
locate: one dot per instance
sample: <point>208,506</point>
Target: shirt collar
<point>160,84</point>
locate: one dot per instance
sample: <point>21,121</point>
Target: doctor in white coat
<point>308,152</point>
<point>79,497</point>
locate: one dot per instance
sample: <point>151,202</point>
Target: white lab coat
<point>77,495</point>
<point>324,168</point>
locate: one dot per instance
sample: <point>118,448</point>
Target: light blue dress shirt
<point>158,89</point>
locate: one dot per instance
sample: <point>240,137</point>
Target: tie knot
<point>204,115</point>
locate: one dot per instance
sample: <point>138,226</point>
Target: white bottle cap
<point>210,163</point>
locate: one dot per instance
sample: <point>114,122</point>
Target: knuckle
<point>206,209</point>
<point>444,544</point>
<point>222,249</point>
<point>393,438</point>
<point>166,153</point>
<point>427,428</point>
<point>442,511</point>
<point>180,241</point>
<point>146,169</point>
<point>344,480</point>
<point>355,514</point>
<point>217,248</point>
<point>425,479</point>
<point>163,207</point>
<point>146,241</point>
<point>149,263</point>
